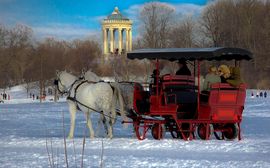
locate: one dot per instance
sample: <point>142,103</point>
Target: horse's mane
<point>91,76</point>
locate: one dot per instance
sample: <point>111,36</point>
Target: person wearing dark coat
<point>261,94</point>
<point>183,69</point>
<point>265,94</point>
<point>235,78</point>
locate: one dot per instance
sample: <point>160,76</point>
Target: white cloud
<point>188,9</point>
<point>64,31</point>
<point>181,10</point>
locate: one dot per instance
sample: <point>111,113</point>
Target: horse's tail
<point>118,96</point>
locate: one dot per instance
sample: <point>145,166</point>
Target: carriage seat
<point>225,102</point>
<point>179,89</point>
<point>140,99</point>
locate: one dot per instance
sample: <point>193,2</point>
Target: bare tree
<point>182,33</point>
<point>244,24</point>
<point>156,19</point>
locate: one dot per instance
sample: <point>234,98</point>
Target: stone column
<point>127,40</point>
<point>130,40</point>
<point>105,41</point>
<point>120,40</point>
<point>111,40</point>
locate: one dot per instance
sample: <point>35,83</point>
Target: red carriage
<point>173,104</point>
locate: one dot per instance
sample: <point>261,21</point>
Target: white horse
<point>91,76</point>
<point>88,97</point>
<point>127,90</point>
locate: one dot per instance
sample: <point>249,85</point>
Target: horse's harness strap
<point>78,102</point>
<point>76,88</point>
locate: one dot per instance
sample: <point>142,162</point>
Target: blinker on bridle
<point>55,82</point>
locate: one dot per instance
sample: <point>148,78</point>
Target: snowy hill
<point>18,95</point>
<point>27,126</point>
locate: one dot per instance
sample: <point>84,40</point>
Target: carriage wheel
<point>202,131</point>
<point>185,131</point>
<point>158,131</point>
<point>175,134</point>
<point>231,131</point>
<point>219,135</point>
<point>140,130</point>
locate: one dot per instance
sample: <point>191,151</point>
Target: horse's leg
<point>72,111</point>
<point>110,123</point>
<point>99,125</point>
<point>89,124</point>
<point>103,120</point>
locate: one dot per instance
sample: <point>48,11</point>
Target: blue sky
<point>70,19</point>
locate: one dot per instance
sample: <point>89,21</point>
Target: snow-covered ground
<point>31,135</point>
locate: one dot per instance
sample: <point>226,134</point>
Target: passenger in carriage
<point>235,78</point>
<point>230,75</point>
<point>224,73</point>
<point>183,69</point>
<point>211,77</point>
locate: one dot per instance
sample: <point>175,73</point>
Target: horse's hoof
<point>92,137</point>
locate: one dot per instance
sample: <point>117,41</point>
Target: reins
<point>74,99</point>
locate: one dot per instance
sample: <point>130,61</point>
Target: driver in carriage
<point>183,69</point>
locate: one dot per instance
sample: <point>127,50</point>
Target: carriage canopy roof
<point>172,54</point>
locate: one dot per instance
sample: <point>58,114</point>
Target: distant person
<point>1,100</point>
<point>257,94</point>
<point>4,96</point>
<point>261,94</point>
<point>183,69</point>
<point>210,78</point>
<point>252,95</point>
<point>265,94</point>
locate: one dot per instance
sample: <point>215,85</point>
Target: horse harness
<point>69,97</point>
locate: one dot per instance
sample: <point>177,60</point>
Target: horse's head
<point>91,76</point>
<point>64,81</point>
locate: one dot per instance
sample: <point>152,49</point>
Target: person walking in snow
<point>261,94</point>
<point>252,95</point>
<point>265,94</point>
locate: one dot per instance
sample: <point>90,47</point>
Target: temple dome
<point>116,15</point>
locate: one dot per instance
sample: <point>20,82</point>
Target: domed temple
<point>116,24</point>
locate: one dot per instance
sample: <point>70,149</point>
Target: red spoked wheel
<point>185,131</point>
<point>217,132</point>
<point>230,131</point>
<point>175,134</point>
<point>158,131</point>
<point>202,130</point>
<point>219,135</point>
<point>140,130</point>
